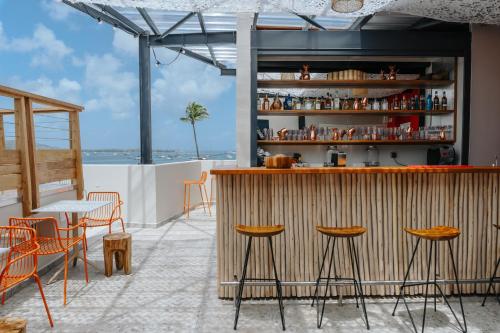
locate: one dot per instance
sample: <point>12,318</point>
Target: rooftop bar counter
<point>382,199</point>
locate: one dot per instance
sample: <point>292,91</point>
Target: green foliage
<point>195,112</point>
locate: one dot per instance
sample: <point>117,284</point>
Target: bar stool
<point>494,278</point>
<point>434,235</point>
<point>333,233</point>
<point>201,183</point>
<point>259,231</point>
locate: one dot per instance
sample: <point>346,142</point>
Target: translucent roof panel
<point>290,20</point>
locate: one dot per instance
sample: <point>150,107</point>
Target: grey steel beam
<point>363,42</point>
<point>179,40</point>
<point>198,57</point>
<point>228,72</point>
<point>176,25</point>
<point>310,21</point>
<point>97,15</point>
<point>424,23</point>
<point>120,17</point>
<point>255,20</point>
<point>359,23</point>
<point>204,31</point>
<point>145,100</point>
<point>149,21</point>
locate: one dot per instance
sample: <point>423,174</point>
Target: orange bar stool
<point>494,278</point>
<point>54,243</point>
<point>260,231</point>
<point>201,183</point>
<point>349,233</point>
<point>18,260</point>
<point>435,235</point>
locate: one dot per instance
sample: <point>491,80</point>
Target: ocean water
<point>110,156</point>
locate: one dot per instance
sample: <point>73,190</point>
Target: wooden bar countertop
<point>357,170</point>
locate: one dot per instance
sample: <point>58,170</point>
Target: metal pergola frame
<point>180,42</point>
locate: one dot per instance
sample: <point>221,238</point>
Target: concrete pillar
<point>244,90</point>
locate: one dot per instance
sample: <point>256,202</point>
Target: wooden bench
<point>119,244</point>
<point>12,325</point>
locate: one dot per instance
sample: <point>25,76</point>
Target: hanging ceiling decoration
<point>347,6</point>
<point>472,11</point>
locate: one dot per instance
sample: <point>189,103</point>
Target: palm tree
<point>195,112</point>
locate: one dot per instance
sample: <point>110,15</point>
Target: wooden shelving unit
<point>354,83</point>
<point>350,142</point>
<point>349,112</point>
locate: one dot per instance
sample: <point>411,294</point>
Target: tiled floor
<point>172,289</point>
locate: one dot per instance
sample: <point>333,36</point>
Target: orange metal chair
<point>18,260</point>
<point>104,216</point>
<point>201,183</point>
<point>53,243</point>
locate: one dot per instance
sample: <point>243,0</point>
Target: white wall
<point>152,194</point>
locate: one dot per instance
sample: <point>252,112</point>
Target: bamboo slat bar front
<point>384,200</point>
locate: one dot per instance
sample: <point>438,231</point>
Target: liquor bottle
<point>298,104</point>
<point>428,104</point>
<point>276,103</point>
<point>421,105</point>
<point>328,102</point>
<point>322,103</point>
<point>317,104</point>
<point>356,104</point>
<point>376,105</point>
<point>404,103</point>
<point>436,102</point>
<point>444,102</point>
<point>259,103</point>
<point>385,104</point>
<point>266,104</point>
<point>288,105</point>
<point>395,103</point>
<point>336,102</point>
<point>345,103</point>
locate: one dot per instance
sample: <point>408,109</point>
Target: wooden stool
<point>260,231</point>
<point>12,325</point>
<point>494,278</point>
<point>121,245</point>
<point>333,233</point>
<point>434,235</point>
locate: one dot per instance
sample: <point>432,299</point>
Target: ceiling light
<point>347,6</point>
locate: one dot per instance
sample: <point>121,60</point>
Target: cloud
<point>125,43</point>
<point>56,9</point>
<point>47,50</point>
<point>113,88</point>
<point>185,80</point>
<point>3,38</point>
<point>64,89</point>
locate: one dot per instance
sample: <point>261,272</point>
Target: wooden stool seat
<point>353,231</point>
<point>260,231</point>
<point>193,182</point>
<point>438,233</point>
<point>12,325</point>
<point>119,244</point>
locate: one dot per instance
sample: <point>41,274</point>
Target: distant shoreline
<point>132,156</point>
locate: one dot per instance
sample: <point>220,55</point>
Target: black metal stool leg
<point>242,282</point>
<point>427,285</point>
<point>351,255</point>
<point>321,271</point>
<point>406,275</point>
<point>319,318</point>
<point>278,285</point>
<point>360,286</point>
<point>464,329</point>
<point>435,274</point>
<point>491,282</point>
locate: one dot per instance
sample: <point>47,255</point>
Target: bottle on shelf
<point>336,102</point>
<point>259,103</point>
<point>317,104</point>
<point>436,104</point>
<point>376,105</point>
<point>265,103</point>
<point>444,102</point>
<point>385,104</point>
<point>421,105</point>
<point>428,104</point>
<point>288,105</point>
<point>276,103</point>
<point>328,102</point>
<point>345,103</point>
<point>298,104</point>
<point>322,103</point>
<point>395,103</point>
<point>404,103</point>
<point>356,105</point>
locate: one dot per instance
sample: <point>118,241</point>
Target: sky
<point>51,49</point>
